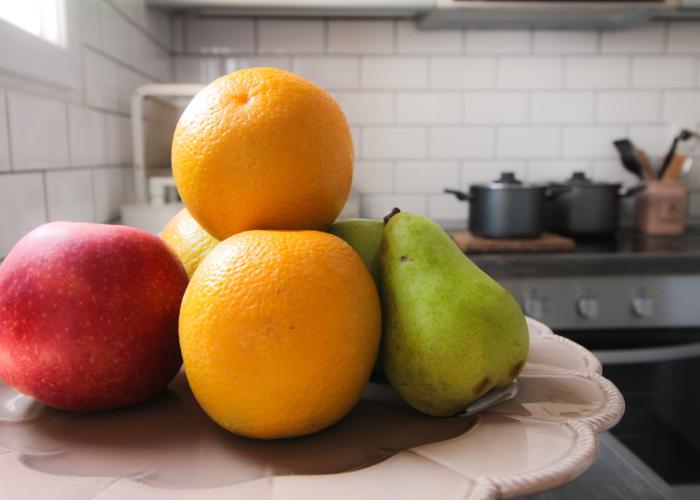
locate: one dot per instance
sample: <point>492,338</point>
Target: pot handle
<point>461,195</point>
<point>554,192</point>
<point>627,192</point>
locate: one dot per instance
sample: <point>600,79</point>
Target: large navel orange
<point>190,242</point>
<point>279,332</point>
<point>262,148</point>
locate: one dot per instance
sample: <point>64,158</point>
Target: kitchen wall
<point>449,108</point>
<point>427,109</point>
<point>66,155</point>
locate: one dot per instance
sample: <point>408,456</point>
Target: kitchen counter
<point>628,253</point>
<point>617,473</point>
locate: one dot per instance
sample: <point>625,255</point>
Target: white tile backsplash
<point>528,142</point>
<point>232,64</point>
<point>682,106</point>
<point>110,184</point>
<point>394,142</point>
<point>373,177</point>
<point>462,142</point>
<point>418,108</point>
<point>116,34</point>
<point>493,108</point>
<point>90,26</point>
<point>597,72</point>
<point>379,206</point>
<point>394,72</point>
<point>192,69</point>
<point>119,150</point>
<point>463,73</point>
<point>38,132</point>
<point>58,143</point>
<point>367,108</point>
<point>4,140</point>
<point>497,41</point>
<point>556,170</point>
<point>101,81</point>
<point>613,171</point>
<point>591,141</point>
<point>426,108</point>
<point>447,208</point>
<point>291,36</point>
<point>663,72</point>
<point>629,107</point>
<point>684,37</point>
<point>565,42</point>
<point>412,40</point>
<point>641,39</point>
<point>530,72</point>
<point>150,58</point>
<point>653,139</point>
<point>426,176</point>
<point>22,207</point>
<point>356,133</point>
<point>563,107</point>
<point>88,137</point>
<point>360,36</point>
<point>215,36</point>
<point>69,195</point>
<point>329,72</point>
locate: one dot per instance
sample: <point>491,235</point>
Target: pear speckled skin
<point>451,333</point>
<point>364,236</point>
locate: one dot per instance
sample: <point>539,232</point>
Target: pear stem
<point>394,211</point>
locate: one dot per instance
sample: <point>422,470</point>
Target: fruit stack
<point>277,311</point>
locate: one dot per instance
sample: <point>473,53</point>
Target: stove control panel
<point>610,301</point>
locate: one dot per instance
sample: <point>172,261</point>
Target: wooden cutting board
<point>548,242</point>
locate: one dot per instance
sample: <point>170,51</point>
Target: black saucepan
<point>584,208</point>
<point>505,208</point>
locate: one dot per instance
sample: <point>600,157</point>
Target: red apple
<point>88,315</point>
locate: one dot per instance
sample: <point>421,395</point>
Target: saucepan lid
<point>580,179</point>
<point>507,180</point>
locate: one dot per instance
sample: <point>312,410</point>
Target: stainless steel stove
<point>635,302</point>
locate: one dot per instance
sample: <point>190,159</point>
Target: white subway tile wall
<point>67,155</point>
<point>290,36</point>
<point>427,109</point>
<point>23,206</point>
<point>38,132</point>
<point>377,37</point>
<point>462,142</point>
<point>332,73</point>
<point>4,140</point>
<point>69,195</point>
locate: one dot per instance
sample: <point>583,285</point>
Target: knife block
<point>661,208</point>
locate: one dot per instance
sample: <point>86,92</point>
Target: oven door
<point>657,372</point>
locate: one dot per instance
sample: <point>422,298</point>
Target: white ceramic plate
<point>168,449</point>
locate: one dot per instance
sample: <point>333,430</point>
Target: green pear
<point>364,236</point>
<point>451,333</point>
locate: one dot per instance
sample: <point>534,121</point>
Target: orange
<point>262,148</point>
<point>279,331</point>
<point>188,240</point>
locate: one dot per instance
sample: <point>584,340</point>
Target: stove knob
<point>588,307</point>
<point>643,307</point>
<point>534,308</point>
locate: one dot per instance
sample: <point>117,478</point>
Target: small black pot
<point>505,208</point>
<point>583,208</point>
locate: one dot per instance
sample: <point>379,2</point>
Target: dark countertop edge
<point>577,264</point>
<point>616,473</point>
